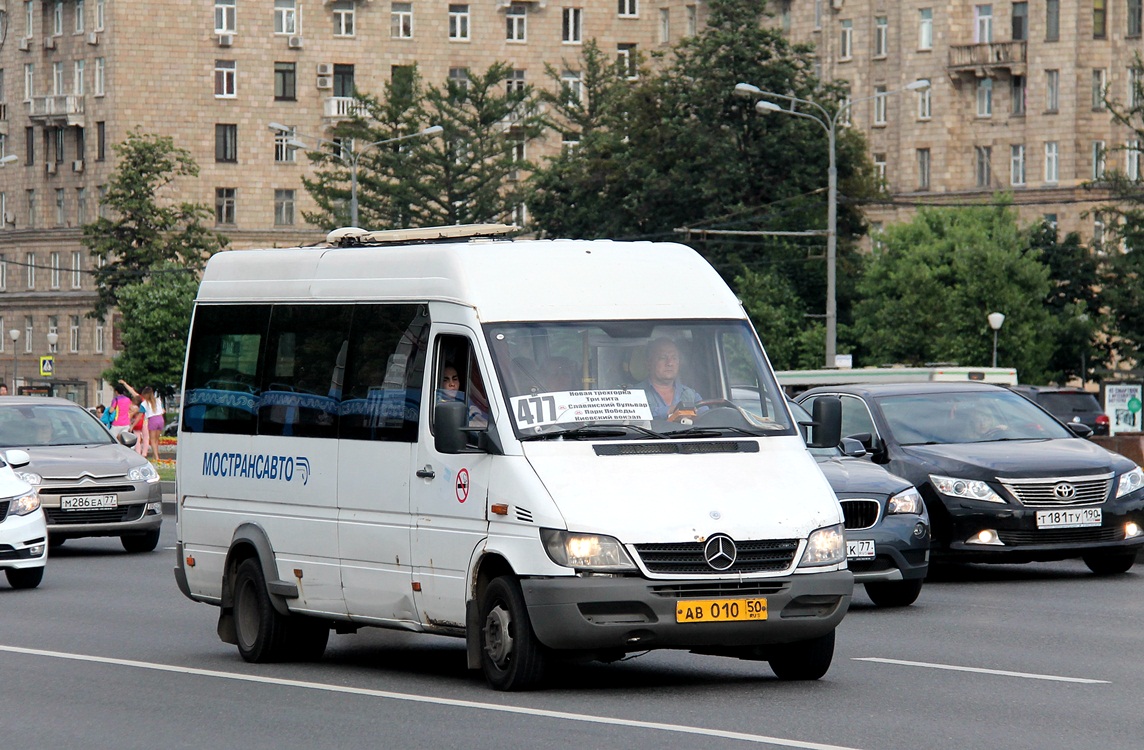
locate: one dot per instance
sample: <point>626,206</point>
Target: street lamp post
<point>14,334</point>
<point>996,320</point>
<point>351,157</point>
<point>828,123</point>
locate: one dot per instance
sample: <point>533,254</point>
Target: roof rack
<point>356,237</point>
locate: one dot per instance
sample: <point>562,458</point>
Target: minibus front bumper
<point>635,614</point>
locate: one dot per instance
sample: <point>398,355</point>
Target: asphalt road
<point>108,654</point>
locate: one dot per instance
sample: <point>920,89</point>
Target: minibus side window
<point>458,378</point>
<point>301,381</point>
<point>223,368</point>
<point>384,372</point>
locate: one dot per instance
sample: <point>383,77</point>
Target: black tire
<point>894,593</point>
<point>24,578</point>
<point>140,542</point>
<point>260,630</point>
<point>1110,563</point>
<point>55,542</point>
<point>306,638</point>
<point>511,656</point>
<point>805,660</point>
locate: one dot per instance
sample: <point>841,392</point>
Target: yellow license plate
<point>720,610</point>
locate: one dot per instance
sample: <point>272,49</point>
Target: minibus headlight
<point>1129,481</point>
<point>825,546</point>
<point>24,504</point>
<point>593,552</point>
<point>906,501</point>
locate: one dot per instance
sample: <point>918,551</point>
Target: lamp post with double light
<point>829,123</point>
<point>349,157</point>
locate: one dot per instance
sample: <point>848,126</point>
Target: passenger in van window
<point>450,389</point>
<point>667,396</point>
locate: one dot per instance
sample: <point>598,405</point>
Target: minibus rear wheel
<point>511,656</point>
<point>260,630</point>
<point>804,660</point>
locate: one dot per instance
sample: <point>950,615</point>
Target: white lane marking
<point>979,670</point>
<point>587,718</point>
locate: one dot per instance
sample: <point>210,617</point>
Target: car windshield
<point>33,426</point>
<point>642,379</point>
<point>967,417</point>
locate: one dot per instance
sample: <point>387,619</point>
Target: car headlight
<point>30,477</point>
<point>907,501</point>
<point>585,551</point>
<point>145,473</point>
<point>970,489</point>
<point>825,546</point>
<point>24,504</point>
<point>1130,481</point>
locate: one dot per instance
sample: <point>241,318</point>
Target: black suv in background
<point>1067,405</point>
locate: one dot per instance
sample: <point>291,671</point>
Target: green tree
<point>148,225</point>
<point>927,291</point>
<point>156,315</point>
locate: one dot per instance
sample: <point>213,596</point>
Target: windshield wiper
<point>596,430</point>
<point>713,431</point>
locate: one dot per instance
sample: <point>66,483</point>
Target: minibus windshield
<point>636,379</point>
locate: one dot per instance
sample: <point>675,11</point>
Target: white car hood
<point>777,493</point>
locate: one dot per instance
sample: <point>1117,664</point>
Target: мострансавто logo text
<point>257,466</point>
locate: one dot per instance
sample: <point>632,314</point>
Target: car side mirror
<point>128,438</point>
<point>852,448</point>
<point>827,413</point>
<point>1079,429</point>
<point>449,420</point>
<point>17,458</point>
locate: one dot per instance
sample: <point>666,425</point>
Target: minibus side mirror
<point>449,420</point>
<point>827,413</point>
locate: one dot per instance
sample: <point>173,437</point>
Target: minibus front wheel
<point>511,656</point>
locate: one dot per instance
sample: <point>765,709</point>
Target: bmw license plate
<point>1068,518</point>
<point>860,549</point>
<point>89,502</point>
<point>720,610</point>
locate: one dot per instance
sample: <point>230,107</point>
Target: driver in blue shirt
<point>666,395</point>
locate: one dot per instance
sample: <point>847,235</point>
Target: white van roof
<point>503,280</point>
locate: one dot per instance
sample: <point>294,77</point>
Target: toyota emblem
<point>720,552</point>
<point>1064,491</point>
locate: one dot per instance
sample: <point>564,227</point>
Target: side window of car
<point>856,417</point>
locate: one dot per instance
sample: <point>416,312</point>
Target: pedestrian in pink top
<point>121,405</point>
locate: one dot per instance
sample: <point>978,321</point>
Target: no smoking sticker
<point>462,485</point>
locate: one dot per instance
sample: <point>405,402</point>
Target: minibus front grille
<point>686,558</point>
<point>696,590</point>
<point>673,448</point>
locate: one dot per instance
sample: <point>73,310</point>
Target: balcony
<point>64,110</point>
<point>987,60</point>
<point>342,108</point>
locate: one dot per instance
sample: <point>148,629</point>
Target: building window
<point>78,69</point>
<point>572,86</point>
<point>846,40</point>
<point>225,74</point>
<point>880,98</point>
<point>458,81</point>
<point>99,337</point>
<point>573,25</point>
<point>401,21</point>
<point>516,23</point>
<point>925,28</point>
<point>33,220</point>
<point>224,17</point>
<point>344,17</point>
<point>81,205</point>
<point>79,20</point>
<point>1132,160</point>
<point>1135,17</point>
<point>3,282</point>
<point>665,25</point>
<point>61,220</point>
<point>459,22</point>
<point>77,269</point>
<point>54,262</point>
<point>985,97</point>
<point>284,153</point>
<point>984,169</point>
<point>58,18</point>
<point>1098,231</point>
<point>627,62</point>
<point>226,142</point>
<point>880,170</point>
<point>285,82</point>
<point>1020,22</point>
<point>1133,87</point>
<point>1099,19</point>
<point>30,262</point>
<point>1099,82</point>
<point>73,334</point>
<point>925,103</point>
<point>225,199</point>
<point>514,84</point>
<point>100,75</point>
<point>1017,90</point>
<point>923,168</point>
<point>629,8</point>
<point>1052,90</point>
<point>881,36</point>
<point>285,16</point>
<point>57,79</point>
<point>29,331</point>
<point>1017,165</point>
<point>29,81</point>
<point>983,26</point>
<point>100,141</point>
<point>1052,162</point>
<point>1052,20</point>
<point>1098,160</point>
<point>692,20</point>
<point>283,208</point>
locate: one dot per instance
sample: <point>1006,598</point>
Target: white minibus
<point>554,449</point>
